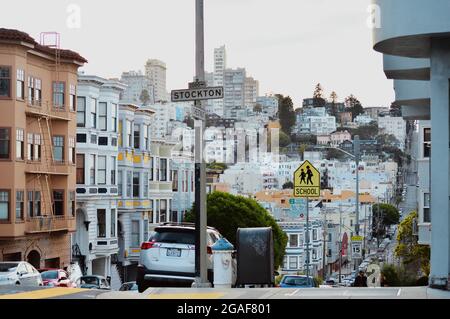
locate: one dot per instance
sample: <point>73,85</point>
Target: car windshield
<point>296,281</point>
<point>176,236</point>
<point>89,281</point>
<point>51,274</point>
<point>8,267</point>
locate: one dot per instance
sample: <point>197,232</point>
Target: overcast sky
<point>288,45</point>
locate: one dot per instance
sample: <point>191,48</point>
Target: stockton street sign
<point>195,94</point>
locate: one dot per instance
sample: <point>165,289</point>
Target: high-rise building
<point>234,90</point>
<point>38,89</point>
<point>136,83</point>
<point>155,71</point>
<point>220,64</point>
<point>251,92</point>
<point>96,173</point>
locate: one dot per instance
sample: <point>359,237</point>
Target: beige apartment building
<point>37,150</point>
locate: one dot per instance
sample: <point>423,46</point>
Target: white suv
<point>169,255</point>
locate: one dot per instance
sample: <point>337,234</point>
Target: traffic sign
<point>356,250</point>
<point>206,93</point>
<point>199,113</point>
<point>357,238</point>
<point>307,181</point>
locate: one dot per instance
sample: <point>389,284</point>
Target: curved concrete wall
<point>406,26</point>
<point>412,93</point>
<point>402,68</point>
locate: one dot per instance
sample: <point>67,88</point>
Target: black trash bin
<point>255,256</point>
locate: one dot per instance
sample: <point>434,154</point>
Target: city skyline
<point>249,47</point>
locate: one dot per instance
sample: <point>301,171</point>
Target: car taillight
<point>147,245</point>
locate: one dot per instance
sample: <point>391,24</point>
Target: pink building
<point>339,137</point>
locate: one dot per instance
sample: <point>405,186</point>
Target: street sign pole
<point>201,279</point>
<point>307,238</point>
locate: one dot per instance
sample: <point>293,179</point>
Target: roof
<point>19,36</point>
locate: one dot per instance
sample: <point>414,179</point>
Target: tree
<point>333,100</point>
<point>318,100</point>
<point>144,97</point>
<point>354,106</point>
<point>301,149</point>
<point>227,213</point>
<point>413,255</point>
<point>286,113</point>
<point>308,139</point>
<point>285,140</point>
<point>384,215</point>
<point>334,154</point>
<point>387,139</point>
<point>257,108</point>
<point>365,132</point>
<point>288,185</point>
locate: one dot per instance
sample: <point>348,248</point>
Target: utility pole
<point>324,264</point>
<point>340,241</point>
<point>357,151</point>
<point>307,238</point>
<point>201,278</point>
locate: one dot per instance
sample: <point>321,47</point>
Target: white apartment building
<point>423,183</point>
<point>96,172</point>
<point>220,64</point>
<point>395,126</point>
<point>234,89</point>
<point>136,83</point>
<point>164,113</point>
<point>363,119</point>
<point>183,183</point>
<point>315,121</point>
<point>155,70</point>
<point>269,104</point>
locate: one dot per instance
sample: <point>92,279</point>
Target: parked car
<point>297,281</point>
<point>93,282</point>
<point>19,273</point>
<point>56,278</point>
<point>169,256</point>
<point>129,286</point>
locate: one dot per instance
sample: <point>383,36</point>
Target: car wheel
<point>143,286</point>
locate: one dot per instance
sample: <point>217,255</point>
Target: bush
<point>422,281</point>
<point>395,276</point>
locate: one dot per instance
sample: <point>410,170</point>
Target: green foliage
<point>307,139</point>
<point>413,255</point>
<point>334,154</point>
<point>144,97</point>
<point>288,185</point>
<point>398,276</point>
<point>318,100</point>
<point>365,132</point>
<point>257,108</point>
<point>286,113</point>
<point>383,216</point>
<point>218,166</point>
<point>227,213</point>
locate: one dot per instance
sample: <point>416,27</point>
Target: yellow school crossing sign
<point>307,181</point>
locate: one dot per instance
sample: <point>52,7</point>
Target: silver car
<point>19,273</point>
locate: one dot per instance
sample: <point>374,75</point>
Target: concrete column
<point>440,162</point>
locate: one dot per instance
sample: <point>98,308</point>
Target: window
<point>20,84</point>
<point>145,185</point>
<point>58,203</point>
<point>119,183</point>
<point>137,136</point>
<point>146,145</point>
<point>151,168</point>
<point>30,146</point>
<point>101,223</point>
<point>293,240</point>
<point>113,141</point>
<point>58,94</point>
<point>93,139</point>
<point>426,142</point>
<point>135,184</point>
<point>329,253</point>
<point>330,238</point>
<point>426,208</point>
<point>285,263</point>
<point>102,115</point>
<point>72,203</point>
<point>19,144</point>
<point>135,240</point>
<point>58,148</point>
<point>80,169</point>
<point>101,171</point>
<point>163,169</point>
<point>113,223</point>
<point>4,205</point>
<point>114,118</point>
<point>30,90</point>
<point>19,205</point>
<point>5,81</point>
<point>30,206</point>
<point>175,181</point>
<point>129,183</point>
<point>72,150</point>
<point>129,138</point>
<point>81,138</point>
<point>81,112</point>
<point>93,113</point>
<point>37,203</point>
<point>163,211</point>
<point>103,140</point>
<point>113,170</point>
<point>38,91</point>
<point>92,170</point>
<point>314,254</point>
<point>293,262</point>
<point>120,134</point>
<point>72,98</point>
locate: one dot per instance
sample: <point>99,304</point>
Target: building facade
<point>155,71</point>
<point>38,87</point>
<point>136,83</point>
<point>95,244</point>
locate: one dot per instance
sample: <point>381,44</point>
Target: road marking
<point>43,293</point>
<point>207,295</point>
<point>399,292</point>
<point>293,293</point>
